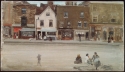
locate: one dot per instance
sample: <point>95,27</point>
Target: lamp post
<point>36,28</point>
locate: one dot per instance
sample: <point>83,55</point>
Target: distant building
<point>71,3</point>
<point>71,21</point>
<point>106,19</point>
<point>7,18</point>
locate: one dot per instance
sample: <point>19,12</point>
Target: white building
<point>45,21</point>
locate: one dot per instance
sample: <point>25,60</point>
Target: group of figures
<point>91,61</point>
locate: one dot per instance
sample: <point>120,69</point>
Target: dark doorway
<point>87,34</point>
<point>43,34</point>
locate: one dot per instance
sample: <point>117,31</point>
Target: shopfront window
<point>27,34</point>
<point>51,33</point>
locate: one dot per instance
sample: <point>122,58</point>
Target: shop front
<point>65,34</point>
<point>49,33</point>
<point>26,33</point>
<point>84,34</point>
<point>16,32</point>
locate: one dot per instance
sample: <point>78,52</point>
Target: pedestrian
<point>112,39</point>
<point>109,39</point>
<point>78,59</point>
<point>88,60</point>
<point>79,37</point>
<point>39,59</point>
<point>44,37</point>
<point>96,60</point>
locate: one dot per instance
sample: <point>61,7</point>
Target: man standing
<point>39,58</point>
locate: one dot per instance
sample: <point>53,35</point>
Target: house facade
<point>7,18</point>
<point>71,21</point>
<point>45,21</point>
<point>24,20</point>
<point>106,19</point>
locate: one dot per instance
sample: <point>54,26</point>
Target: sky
<point>55,2</point>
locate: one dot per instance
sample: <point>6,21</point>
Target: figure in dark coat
<point>96,60</point>
<point>39,59</point>
<point>79,37</point>
<point>109,39</point>
<point>78,59</point>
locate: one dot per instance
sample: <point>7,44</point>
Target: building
<point>71,21</point>
<point>106,20</point>
<point>71,3</point>
<point>7,18</point>
<point>24,20</point>
<point>45,21</point>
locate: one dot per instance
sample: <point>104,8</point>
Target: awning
<point>19,25</point>
<point>27,29</point>
<point>48,29</point>
<point>17,29</point>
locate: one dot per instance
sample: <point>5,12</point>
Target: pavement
<point>10,40</point>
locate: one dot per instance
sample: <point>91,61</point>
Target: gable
<point>48,9</point>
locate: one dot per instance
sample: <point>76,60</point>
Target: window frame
<point>23,10</point>
<point>79,23</point>
<point>50,23</point>
<point>65,15</point>
<point>85,22</point>
<point>42,23</point>
<point>47,13</point>
<point>82,16</point>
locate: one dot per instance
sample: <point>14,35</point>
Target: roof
<point>39,10</point>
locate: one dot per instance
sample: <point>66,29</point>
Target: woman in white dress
<point>88,60</point>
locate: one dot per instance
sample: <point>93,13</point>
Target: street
<point>60,57</point>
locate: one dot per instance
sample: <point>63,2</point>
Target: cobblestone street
<point>60,57</point>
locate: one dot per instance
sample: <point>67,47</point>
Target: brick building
<point>7,18</point>
<point>24,20</point>
<point>71,21</point>
<point>106,19</point>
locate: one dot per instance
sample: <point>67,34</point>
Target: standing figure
<point>79,37</point>
<point>78,59</point>
<point>96,60</point>
<point>109,39</point>
<point>44,37</point>
<point>112,39</point>
<point>39,59</point>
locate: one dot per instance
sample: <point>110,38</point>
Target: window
<point>85,24</point>
<point>47,14</point>
<point>68,24</point>
<point>82,14</point>
<point>42,23</point>
<point>113,20</point>
<point>23,10</point>
<point>65,14</point>
<point>51,33</point>
<point>23,21</point>
<point>50,23</point>
<point>94,8</point>
<point>95,19</point>
<point>29,34</point>
<point>61,24</point>
<point>79,24</point>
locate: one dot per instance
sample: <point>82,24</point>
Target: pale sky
<point>55,2</point>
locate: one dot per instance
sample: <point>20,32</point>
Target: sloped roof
<point>39,10</point>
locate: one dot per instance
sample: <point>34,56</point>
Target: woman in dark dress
<point>78,59</point>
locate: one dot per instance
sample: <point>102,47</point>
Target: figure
<point>79,37</point>
<point>109,39</point>
<point>39,58</point>
<point>88,60</point>
<point>78,59</point>
<point>96,60</point>
<point>44,37</point>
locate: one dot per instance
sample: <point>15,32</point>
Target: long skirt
<point>97,63</point>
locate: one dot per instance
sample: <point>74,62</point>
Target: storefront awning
<point>27,29</point>
<point>48,29</point>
